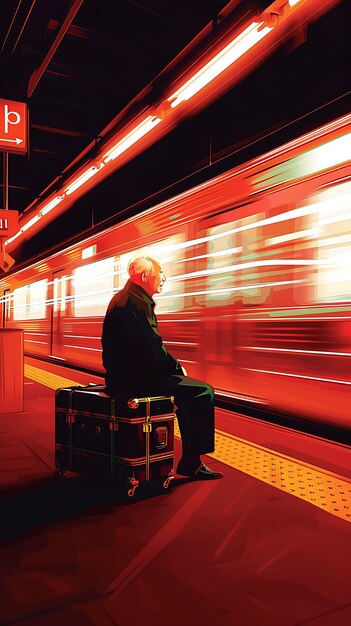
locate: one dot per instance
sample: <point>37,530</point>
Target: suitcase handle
<point>133,403</point>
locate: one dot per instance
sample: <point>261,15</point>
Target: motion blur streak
<point>258,288</point>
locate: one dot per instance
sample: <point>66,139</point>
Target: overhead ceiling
<point>108,52</point>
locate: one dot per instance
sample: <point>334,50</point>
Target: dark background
<point>109,53</point>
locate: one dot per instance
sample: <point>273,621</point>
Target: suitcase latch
<point>161,437</point>
<point>113,426</point>
<point>70,418</point>
<point>147,427</point>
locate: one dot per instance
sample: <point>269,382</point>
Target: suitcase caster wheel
<point>167,482</point>
<point>134,484</point>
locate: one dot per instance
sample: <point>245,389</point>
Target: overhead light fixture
<point>83,178</point>
<point>14,237</point>
<point>51,205</point>
<point>293,2</point>
<point>142,129</point>
<point>233,51</point>
<point>31,222</point>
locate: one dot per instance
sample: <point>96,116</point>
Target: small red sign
<point>13,126</point>
<point>8,223</point>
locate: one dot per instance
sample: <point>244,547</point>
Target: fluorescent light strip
<point>292,3</point>
<point>51,205</point>
<point>148,124</point>
<point>34,220</point>
<point>89,173</point>
<point>241,44</point>
<point>14,237</point>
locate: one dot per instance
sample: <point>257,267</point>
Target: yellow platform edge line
<point>283,456</point>
<point>55,382</point>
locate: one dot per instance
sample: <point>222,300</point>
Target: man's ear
<point>143,276</point>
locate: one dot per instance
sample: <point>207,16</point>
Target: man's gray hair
<point>143,264</point>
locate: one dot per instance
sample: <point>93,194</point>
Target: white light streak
<point>311,232</point>
<point>44,343</point>
<point>180,343</point>
<point>253,264</point>
<point>324,380</point>
<point>330,241</point>
<point>293,351</point>
<point>231,289</point>
<point>227,252</point>
<point>81,337</point>
<point>83,348</point>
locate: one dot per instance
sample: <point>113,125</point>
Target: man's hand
<point>185,373</point>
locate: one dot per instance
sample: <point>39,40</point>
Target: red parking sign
<point>13,126</point>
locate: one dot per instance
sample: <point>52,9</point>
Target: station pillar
<point>11,370</point>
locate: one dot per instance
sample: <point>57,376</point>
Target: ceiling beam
<point>38,73</point>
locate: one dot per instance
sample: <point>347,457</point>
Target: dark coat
<point>134,355</point>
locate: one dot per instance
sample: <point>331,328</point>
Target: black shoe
<point>199,472</point>
<point>188,468</point>
<point>205,473</point>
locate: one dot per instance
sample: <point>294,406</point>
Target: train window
<point>6,306</point>
<point>170,252</point>
<point>60,293</point>
<point>37,300</point>
<point>233,263</point>
<point>334,244</point>
<point>8,299</point>
<point>93,288</point>
<point>20,309</point>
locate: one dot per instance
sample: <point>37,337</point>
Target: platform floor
<point>269,545</point>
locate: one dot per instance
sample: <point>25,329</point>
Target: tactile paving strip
<point>328,491</point>
<point>46,378</point>
<point>323,489</point>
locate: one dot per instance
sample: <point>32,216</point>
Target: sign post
<point>13,138</point>
<point>8,227</point>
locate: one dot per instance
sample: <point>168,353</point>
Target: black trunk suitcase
<point>128,439</point>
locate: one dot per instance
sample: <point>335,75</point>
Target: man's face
<point>155,281</point>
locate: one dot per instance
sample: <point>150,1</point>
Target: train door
<point>5,307</point>
<point>59,303</point>
<point>229,282</point>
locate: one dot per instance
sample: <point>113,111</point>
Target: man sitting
<point>137,362</point>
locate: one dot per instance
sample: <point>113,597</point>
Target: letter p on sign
<point>13,126</point>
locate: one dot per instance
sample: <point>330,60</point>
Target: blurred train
<point>258,291</point>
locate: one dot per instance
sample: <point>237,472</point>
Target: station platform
<point>268,545</point>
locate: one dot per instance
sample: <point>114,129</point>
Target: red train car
<point>257,298</point>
